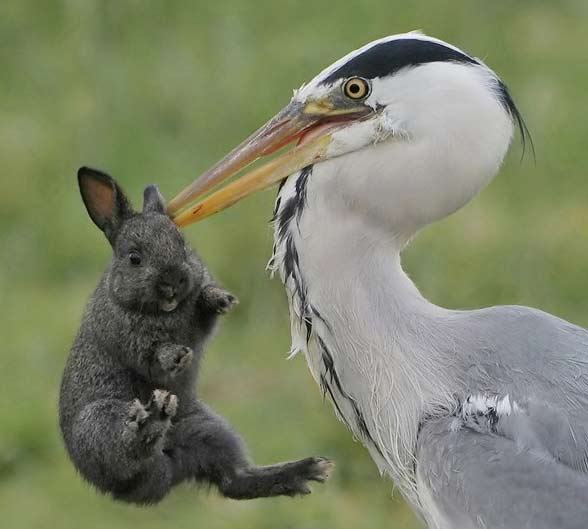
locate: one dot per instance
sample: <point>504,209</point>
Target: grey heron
<point>480,417</point>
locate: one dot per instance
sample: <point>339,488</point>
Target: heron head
<point>408,128</point>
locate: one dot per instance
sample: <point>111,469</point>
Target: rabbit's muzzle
<point>172,286</point>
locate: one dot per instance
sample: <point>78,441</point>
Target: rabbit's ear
<point>152,200</point>
<point>105,201</point>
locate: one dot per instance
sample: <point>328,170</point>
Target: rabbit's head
<point>152,269</point>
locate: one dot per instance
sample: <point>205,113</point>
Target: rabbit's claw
<point>148,423</point>
<point>137,415</point>
<point>309,469</point>
<point>162,404</point>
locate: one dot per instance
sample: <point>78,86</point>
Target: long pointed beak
<point>295,121</point>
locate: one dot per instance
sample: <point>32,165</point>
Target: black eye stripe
<point>388,57</point>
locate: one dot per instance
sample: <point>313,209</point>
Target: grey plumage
<point>130,417</point>
<point>522,439</point>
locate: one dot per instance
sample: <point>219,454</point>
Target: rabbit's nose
<point>172,282</point>
<point>167,290</point>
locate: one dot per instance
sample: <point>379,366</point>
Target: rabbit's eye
<point>135,258</point>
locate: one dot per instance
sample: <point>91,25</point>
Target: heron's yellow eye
<point>356,88</point>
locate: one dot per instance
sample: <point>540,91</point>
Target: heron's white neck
<point>353,274</point>
<point>388,344</point>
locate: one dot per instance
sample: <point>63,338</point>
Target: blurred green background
<point>158,91</point>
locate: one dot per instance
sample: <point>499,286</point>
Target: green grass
<point>156,92</point>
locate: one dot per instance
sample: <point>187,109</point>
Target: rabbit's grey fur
<point>129,414</point>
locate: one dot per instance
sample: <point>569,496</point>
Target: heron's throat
<point>367,333</point>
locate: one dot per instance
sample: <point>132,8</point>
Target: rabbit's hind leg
<point>283,479</point>
<point>204,447</point>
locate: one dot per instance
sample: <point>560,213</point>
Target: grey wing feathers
<point>541,363</point>
<point>515,453</point>
<point>484,480</point>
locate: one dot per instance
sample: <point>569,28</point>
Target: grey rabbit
<point>129,414</point>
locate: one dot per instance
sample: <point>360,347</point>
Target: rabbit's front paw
<point>173,358</point>
<point>146,425</point>
<point>136,416</point>
<point>218,299</point>
<point>163,405</point>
